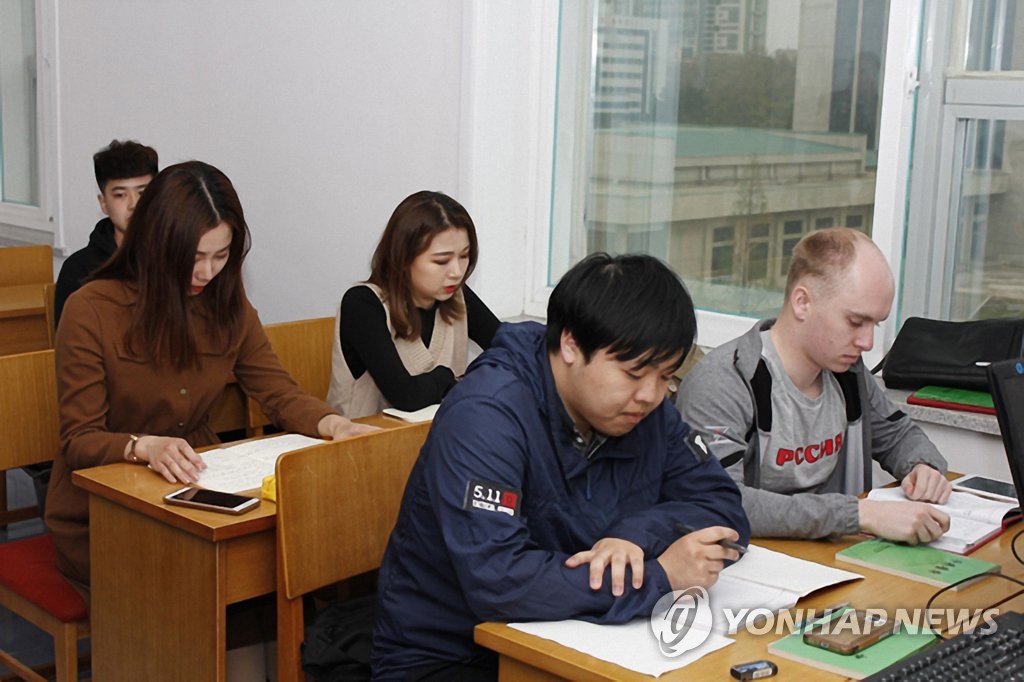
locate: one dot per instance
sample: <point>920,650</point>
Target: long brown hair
<point>414,224</point>
<point>179,206</point>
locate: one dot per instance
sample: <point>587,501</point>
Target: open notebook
<point>973,520</point>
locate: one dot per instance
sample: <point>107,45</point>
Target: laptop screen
<point>1006,380</point>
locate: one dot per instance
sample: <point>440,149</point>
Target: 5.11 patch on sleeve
<point>487,496</point>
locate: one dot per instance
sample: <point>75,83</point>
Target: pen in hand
<point>728,544</point>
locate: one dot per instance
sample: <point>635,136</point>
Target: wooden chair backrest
<point>337,504</point>
<point>304,349</point>
<point>49,291</point>
<point>29,423</point>
<point>26,265</point>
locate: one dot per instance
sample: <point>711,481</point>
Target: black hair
<point>633,305</point>
<point>119,160</point>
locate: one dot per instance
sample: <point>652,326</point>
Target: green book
<point>906,641</point>
<point>953,398</point>
<point>917,562</point>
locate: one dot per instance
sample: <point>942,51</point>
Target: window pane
<point>727,129</point>
<point>19,172</point>
<point>994,30</point>
<point>989,254</point>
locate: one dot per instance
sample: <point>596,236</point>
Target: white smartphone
<point>986,487</point>
<point>212,500</point>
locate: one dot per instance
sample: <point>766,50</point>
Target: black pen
<point>728,544</point>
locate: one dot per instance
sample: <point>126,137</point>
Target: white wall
<point>324,114</point>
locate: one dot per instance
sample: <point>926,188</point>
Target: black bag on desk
<point>952,354</point>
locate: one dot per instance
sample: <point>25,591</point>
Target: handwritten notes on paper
<point>244,466</point>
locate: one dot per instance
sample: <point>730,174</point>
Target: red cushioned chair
<point>31,587</point>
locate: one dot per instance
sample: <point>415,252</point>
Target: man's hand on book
<point>910,522</point>
<point>925,484</point>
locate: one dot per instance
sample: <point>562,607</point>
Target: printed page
<point>632,645</point>
<point>244,466</point>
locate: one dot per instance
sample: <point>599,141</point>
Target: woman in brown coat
<point>144,350</point>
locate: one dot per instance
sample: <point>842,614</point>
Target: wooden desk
<point>23,325</point>
<point>162,576</point>
<point>526,657</point>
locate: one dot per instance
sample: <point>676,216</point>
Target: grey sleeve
<point>802,515</point>
<point>897,443</point>
<point>715,402</point>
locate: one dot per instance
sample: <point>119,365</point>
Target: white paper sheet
<point>424,414</point>
<point>778,570</point>
<point>244,466</point>
<point>632,645</point>
<point>763,579</point>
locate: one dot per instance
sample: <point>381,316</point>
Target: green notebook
<point>917,562</point>
<point>876,657</point>
<point>953,399</point>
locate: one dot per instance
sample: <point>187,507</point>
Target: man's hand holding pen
<point>696,559</point>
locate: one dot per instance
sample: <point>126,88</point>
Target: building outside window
<point>19,173</point>
<point>27,121</point>
<point>753,122</point>
<point>749,123</point>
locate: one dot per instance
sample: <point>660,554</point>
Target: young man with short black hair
<point>555,479</point>
<point>123,169</point>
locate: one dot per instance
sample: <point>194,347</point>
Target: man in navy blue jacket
<point>556,478</point>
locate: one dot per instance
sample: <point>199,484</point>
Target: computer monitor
<point>1006,380</point>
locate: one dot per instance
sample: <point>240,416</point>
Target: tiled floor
<point>22,639</point>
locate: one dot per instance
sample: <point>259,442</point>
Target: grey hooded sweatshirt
<point>727,398</point>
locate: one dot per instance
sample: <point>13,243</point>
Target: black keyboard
<point>998,655</point>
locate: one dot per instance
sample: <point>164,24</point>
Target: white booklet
<point>766,579</point>
<point>973,520</point>
<point>424,414</point>
<point>241,467</point>
<point>763,579</point>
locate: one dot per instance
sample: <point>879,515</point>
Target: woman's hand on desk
<point>172,458</point>
<point>336,427</point>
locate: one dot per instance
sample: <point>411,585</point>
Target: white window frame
<point>39,224</point>
<point>947,98</point>
<point>570,162</point>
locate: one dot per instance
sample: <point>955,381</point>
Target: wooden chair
<point>51,316</point>
<point>336,506</point>
<point>26,265</point>
<point>29,427</point>
<point>30,585</point>
<point>304,348</point>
